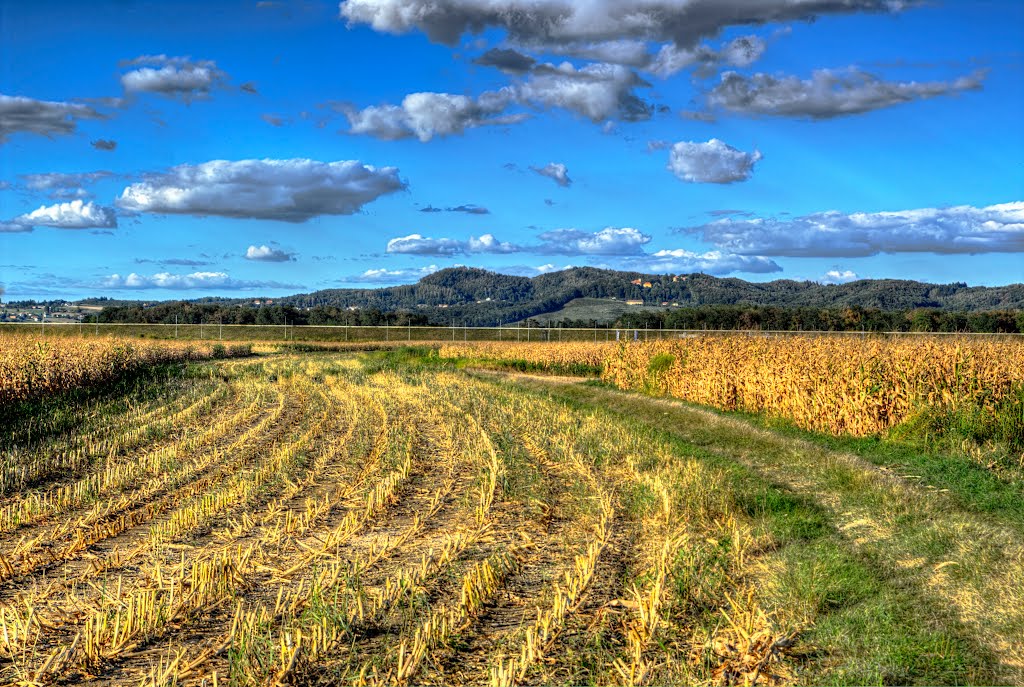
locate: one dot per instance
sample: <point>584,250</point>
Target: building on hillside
<point>634,302</point>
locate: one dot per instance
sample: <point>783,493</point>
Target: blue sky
<point>165,150</point>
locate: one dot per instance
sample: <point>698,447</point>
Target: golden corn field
<point>857,386</point>
<point>331,517</point>
<point>33,365</point>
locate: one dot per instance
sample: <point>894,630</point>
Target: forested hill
<point>518,297</point>
<point>479,297</point>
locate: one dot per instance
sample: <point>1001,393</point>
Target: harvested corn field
<point>380,519</point>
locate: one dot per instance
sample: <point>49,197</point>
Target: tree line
<point>739,317</point>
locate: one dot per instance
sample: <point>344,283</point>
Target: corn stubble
<point>303,521</point>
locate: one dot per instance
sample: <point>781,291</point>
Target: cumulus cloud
<point>386,276</point>
<point>608,241</point>
<point>196,280</point>
<point>507,60</point>
<point>828,93</point>
<point>75,214</point>
<point>61,185</point>
<point>415,244</point>
<point>714,162</point>
<point>268,254</point>
<point>173,77</point>
<point>561,21</point>
<point>19,114</point>
<point>713,262</point>
<point>838,277</point>
<point>286,190</point>
<point>596,91</point>
<point>426,115</point>
<point>631,53</point>
<point>532,270</point>
<point>14,228</point>
<point>556,171</point>
<point>672,58</point>
<point>955,230</point>
<point>104,144</point>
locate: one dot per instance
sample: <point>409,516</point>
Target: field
<point>440,516</point>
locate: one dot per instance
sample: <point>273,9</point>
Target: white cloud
<point>427,115</point>
<point>19,114</point>
<point>386,276</point>
<point>714,162</point>
<point>559,21</point>
<point>387,122</point>
<point>531,270</point>
<point>268,254</point>
<point>608,241</point>
<point>487,243</point>
<point>955,230</point>
<point>827,93</point>
<point>174,77</point>
<point>713,262</point>
<point>597,91</point>
<point>671,59</point>
<point>60,185</point>
<point>415,244</point>
<point>75,214</point>
<point>556,171</point>
<point>739,52</point>
<point>631,53</point>
<point>838,277</point>
<point>286,190</point>
<point>195,280</point>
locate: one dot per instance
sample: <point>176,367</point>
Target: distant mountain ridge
<point>481,297</point>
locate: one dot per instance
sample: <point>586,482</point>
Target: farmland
<point>435,515</point>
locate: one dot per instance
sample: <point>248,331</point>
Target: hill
<point>485,298</point>
<point>585,296</point>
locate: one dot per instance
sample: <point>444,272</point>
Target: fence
<point>412,334</point>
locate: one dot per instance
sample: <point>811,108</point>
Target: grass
<point>602,310</point>
<point>880,624</point>
<point>945,465</point>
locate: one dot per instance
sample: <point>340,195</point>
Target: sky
<point>158,150</point>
